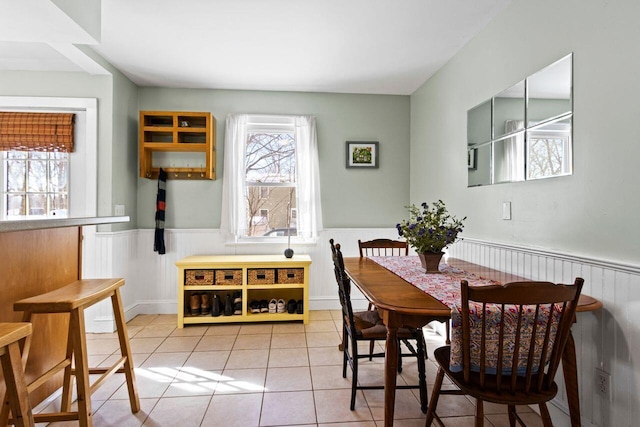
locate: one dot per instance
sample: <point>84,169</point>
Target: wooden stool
<point>73,299</point>
<point>17,395</point>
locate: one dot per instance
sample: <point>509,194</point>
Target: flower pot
<point>430,261</point>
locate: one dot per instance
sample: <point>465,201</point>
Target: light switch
<point>119,211</point>
<point>506,210</point>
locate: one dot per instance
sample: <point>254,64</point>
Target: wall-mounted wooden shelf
<point>182,143</point>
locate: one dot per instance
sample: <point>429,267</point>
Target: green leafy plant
<point>430,229</point>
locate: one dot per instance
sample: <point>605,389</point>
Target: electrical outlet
<point>119,210</point>
<point>603,383</point>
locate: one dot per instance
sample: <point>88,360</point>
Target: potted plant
<point>429,230</point>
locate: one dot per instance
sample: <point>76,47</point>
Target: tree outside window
<point>270,174</point>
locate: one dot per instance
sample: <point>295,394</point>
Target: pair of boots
<point>232,305</point>
<point>200,304</point>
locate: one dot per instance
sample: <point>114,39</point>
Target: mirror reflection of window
<point>549,150</point>
<point>509,158</point>
<point>508,107</point>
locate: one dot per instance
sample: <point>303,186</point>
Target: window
<point>82,170</point>
<point>35,184</point>
<point>270,176</point>
<point>271,164</point>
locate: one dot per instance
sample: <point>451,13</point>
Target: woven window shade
<point>36,131</point>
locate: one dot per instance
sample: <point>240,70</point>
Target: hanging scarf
<point>158,243</point>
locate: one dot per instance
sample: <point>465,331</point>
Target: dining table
<point>401,303</point>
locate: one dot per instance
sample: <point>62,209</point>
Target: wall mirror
<point>525,131</point>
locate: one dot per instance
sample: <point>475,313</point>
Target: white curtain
<point>308,177</point>
<point>513,155</point>
<point>233,217</point>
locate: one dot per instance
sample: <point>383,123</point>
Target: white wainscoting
<point>151,279</point>
<point>608,339</point>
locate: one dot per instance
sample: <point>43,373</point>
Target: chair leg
<point>371,344</point>
<point>479,413</point>
<point>354,373</point>
<point>345,352</point>
<point>422,380</point>
<point>512,415</point>
<point>17,394</point>
<point>399,358</point>
<point>125,351</point>
<point>544,414</point>
<point>435,394</point>
<point>83,388</point>
<point>67,381</point>
<point>448,326</point>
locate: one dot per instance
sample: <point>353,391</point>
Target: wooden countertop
<point>39,224</point>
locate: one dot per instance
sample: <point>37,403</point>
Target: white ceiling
<point>344,46</point>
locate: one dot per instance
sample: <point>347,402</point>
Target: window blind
<point>36,131</point>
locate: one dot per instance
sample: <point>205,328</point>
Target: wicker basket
<point>290,275</point>
<point>198,277</point>
<point>256,276</point>
<point>228,277</point>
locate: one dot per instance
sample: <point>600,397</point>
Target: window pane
<point>37,175</point>
<point>58,204</point>
<point>37,204</point>
<point>270,158</point>
<point>276,206</point>
<point>16,175</point>
<point>16,154</point>
<point>58,176</point>
<point>38,155</point>
<point>16,205</point>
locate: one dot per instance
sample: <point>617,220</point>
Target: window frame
<point>269,125</point>
<point>83,179</point>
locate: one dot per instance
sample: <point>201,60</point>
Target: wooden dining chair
<point>527,352</point>
<point>368,326</point>
<point>383,247</point>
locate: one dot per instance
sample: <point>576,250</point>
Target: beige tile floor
<point>267,374</point>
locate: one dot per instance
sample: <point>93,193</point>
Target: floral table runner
<point>445,287</point>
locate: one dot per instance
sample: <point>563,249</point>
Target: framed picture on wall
<point>361,154</point>
<point>471,158</point>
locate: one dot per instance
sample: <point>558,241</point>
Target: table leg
<point>390,372</point>
<point>570,371</point>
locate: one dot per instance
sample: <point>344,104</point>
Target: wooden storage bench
<point>254,277</point>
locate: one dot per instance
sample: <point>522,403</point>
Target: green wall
<point>594,211</point>
<point>350,197</point>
